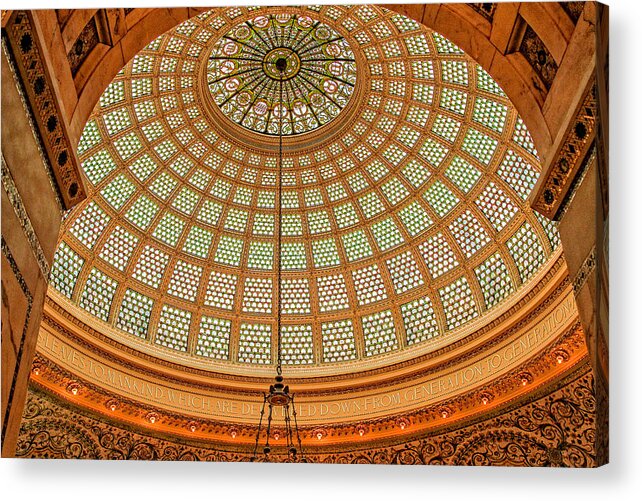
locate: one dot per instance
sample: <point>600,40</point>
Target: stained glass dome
<point>319,74</point>
<point>405,225</point>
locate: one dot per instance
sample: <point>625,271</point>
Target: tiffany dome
<point>315,81</point>
<point>405,180</point>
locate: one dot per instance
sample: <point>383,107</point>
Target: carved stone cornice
<point>490,400</point>
<point>23,48</point>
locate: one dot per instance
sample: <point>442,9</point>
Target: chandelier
<point>279,396</point>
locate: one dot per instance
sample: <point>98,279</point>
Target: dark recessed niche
<point>26,42</point>
<point>580,130</point>
<point>52,122</point>
<point>39,85</point>
<point>62,158</point>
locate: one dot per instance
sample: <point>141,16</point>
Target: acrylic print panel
<point>322,234</point>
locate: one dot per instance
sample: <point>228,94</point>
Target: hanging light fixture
<point>279,395</point>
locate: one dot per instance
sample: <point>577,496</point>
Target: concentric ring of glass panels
<point>407,226</point>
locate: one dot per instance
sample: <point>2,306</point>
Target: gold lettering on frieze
<point>111,378</point>
<point>414,396</point>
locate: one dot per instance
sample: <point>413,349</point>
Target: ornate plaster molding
<point>26,53</point>
<point>555,185</point>
<point>555,427</point>
<point>588,266</point>
<point>446,407</point>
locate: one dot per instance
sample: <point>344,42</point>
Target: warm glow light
<point>525,378</point>
<point>74,391</point>
<point>319,436</point>
<point>36,371</point>
<point>112,407</point>
<point>560,359</point>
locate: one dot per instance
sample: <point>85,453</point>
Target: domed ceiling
<point>405,179</point>
<point>318,77</point>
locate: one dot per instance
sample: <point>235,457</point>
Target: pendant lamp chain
<point>279,394</point>
<point>279,233</point>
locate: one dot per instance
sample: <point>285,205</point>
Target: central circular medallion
<point>281,63</point>
<point>310,64</point>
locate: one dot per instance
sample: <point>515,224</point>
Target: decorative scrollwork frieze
<point>84,44</point>
<point>472,404</point>
<point>538,56</point>
<point>588,266</point>
<point>486,9</point>
<point>556,429</point>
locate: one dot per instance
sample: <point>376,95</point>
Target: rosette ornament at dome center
<point>317,79</point>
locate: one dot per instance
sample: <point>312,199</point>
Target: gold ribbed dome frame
<point>159,107</point>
